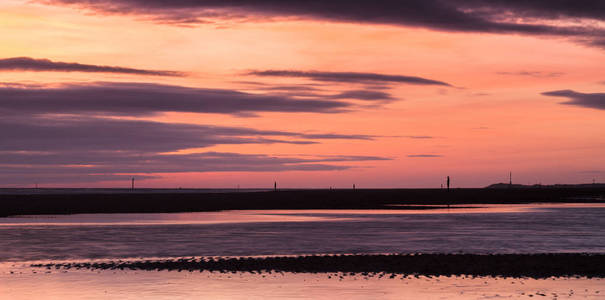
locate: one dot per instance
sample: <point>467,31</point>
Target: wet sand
<point>151,202</point>
<point>506,265</point>
<point>25,283</point>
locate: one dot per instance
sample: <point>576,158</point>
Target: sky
<point>311,94</point>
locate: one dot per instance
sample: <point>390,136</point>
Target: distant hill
<point>538,186</point>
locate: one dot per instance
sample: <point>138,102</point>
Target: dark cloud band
<point>109,134</point>
<point>113,98</point>
<point>45,65</point>
<point>529,17</point>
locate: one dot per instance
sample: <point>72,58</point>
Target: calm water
<point>489,229</point>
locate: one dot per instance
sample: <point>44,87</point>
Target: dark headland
<point>41,201</point>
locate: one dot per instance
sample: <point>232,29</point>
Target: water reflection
<point>277,215</point>
<point>490,229</point>
<point>158,219</point>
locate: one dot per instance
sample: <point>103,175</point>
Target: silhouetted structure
<point>353,186</point>
<point>448,183</point>
<point>510,179</point>
<point>132,184</point>
<point>275,186</point>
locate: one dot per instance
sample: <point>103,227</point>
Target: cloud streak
<point>104,134</point>
<point>537,74</point>
<point>349,77</point>
<point>139,99</point>
<point>370,93</point>
<point>63,149</point>
<point>46,65</point>
<point>590,100</point>
<point>104,166</point>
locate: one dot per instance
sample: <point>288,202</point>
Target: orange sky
<point>492,120</point>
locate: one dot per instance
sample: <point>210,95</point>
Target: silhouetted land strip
<point>150,202</point>
<point>507,265</point>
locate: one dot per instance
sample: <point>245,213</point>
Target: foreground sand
<point>28,283</point>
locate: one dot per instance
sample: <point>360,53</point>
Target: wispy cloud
<point>349,77</point>
<point>46,65</point>
<point>289,88</point>
<point>366,95</point>
<point>536,74</point>
<point>369,93</point>
<point>591,100</point>
<point>95,166</point>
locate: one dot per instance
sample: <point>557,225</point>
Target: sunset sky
<point>199,94</point>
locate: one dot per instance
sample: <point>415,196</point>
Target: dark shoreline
<point>504,265</point>
<point>191,201</point>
